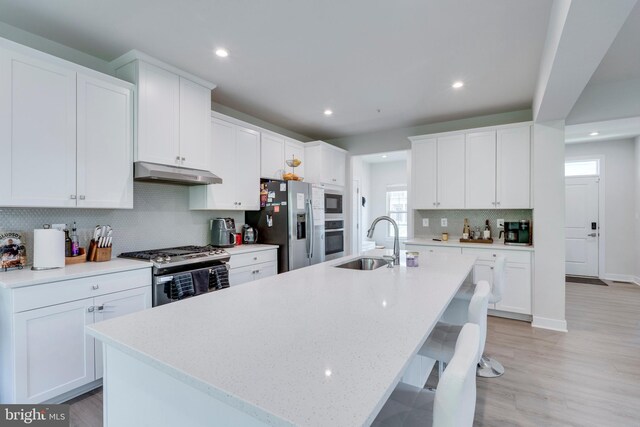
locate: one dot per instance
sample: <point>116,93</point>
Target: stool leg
<point>489,368</point>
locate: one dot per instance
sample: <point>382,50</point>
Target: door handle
<point>592,235</point>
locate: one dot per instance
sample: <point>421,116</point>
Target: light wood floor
<point>589,376</point>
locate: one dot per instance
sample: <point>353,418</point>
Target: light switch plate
<point>443,222</point>
<point>500,222</point>
<point>425,222</point>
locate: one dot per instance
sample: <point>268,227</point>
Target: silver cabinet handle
<point>95,287</point>
<point>255,258</point>
<point>494,255</point>
<point>91,309</point>
<point>183,159</point>
<point>592,235</point>
<point>72,197</point>
<point>100,307</point>
<point>178,158</point>
<point>497,203</point>
<point>239,203</point>
<point>82,197</point>
<point>434,203</point>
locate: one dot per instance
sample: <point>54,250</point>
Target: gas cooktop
<point>178,255</point>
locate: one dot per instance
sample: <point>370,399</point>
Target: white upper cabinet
<point>485,168</point>
<point>235,158</point>
<point>424,163</point>
<point>105,144</point>
<point>195,125</point>
<point>271,156</point>
<point>480,170</point>
<point>325,164</point>
<point>38,125</point>
<point>513,182</point>
<point>451,172</point>
<point>174,112</point>
<point>66,132</point>
<point>438,172</point>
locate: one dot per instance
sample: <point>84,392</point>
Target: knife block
<point>97,254</point>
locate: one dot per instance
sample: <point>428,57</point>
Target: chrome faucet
<point>396,241</point>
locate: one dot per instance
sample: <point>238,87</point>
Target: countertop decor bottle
<point>466,231</point>
<point>75,243</point>
<point>487,230</point>
<point>67,243</point>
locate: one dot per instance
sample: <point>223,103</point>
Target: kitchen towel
<point>48,249</point>
<point>180,287</point>
<point>200,281</point>
<point>219,277</point>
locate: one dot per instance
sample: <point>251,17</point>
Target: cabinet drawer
<point>251,258</point>
<point>491,254</point>
<point>31,297</point>
<point>433,249</point>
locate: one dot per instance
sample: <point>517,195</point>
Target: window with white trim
<point>397,209</point>
<point>582,168</point>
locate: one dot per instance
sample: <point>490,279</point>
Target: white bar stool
<point>454,402</point>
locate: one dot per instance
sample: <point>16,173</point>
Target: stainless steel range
<point>184,271</point>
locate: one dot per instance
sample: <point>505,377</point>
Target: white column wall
<point>637,213</point>
<point>548,226</point>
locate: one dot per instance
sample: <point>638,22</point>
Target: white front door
<point>581,226</point>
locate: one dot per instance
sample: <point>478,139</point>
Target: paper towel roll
<point>48,249</point>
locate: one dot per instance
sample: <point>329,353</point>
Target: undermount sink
<point>364,263</point>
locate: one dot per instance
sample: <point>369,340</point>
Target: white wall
<point>361,172</point>
<point>382,175</point>
<point>619,173</point>
<point>637,213</point>
<point>548,218</point>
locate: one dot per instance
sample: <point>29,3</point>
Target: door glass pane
<point>582,168</point>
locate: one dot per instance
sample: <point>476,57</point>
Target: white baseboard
<point>551,324</point>
<point>620,277</point>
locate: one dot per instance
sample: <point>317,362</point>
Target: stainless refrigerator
<point>287,220</point>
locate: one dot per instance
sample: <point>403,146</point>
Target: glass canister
<point>412,259</point>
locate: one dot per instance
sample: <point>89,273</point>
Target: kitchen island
<point>319,346</point>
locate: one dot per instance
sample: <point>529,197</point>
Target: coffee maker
<point>518,233</point>
<point>223,232</point>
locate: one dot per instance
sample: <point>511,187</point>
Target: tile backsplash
<point>455,220</point>
<point>160,218</point>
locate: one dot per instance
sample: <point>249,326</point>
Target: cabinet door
<point>195,125</point>
<point>514,168</point>
<point>38,132</point>
<point>516,297</point>
<point>116,305</point>
<point>424,162</point>
<point>335,165</point>
<point>480,165</point>
<point>105,145</point>
<point>224,164</point>
<point>158,115</point>
<point>271,156</point>
<point>294,149</point>
<point>451,172</point>
<point>265,270</point>
<point>247,178</point>
<point>238,276</point>
<point>53,353</point>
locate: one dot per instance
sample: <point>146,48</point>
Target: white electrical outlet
<point>500,222</point>
<point>443,222</point>
<point>425,222</point>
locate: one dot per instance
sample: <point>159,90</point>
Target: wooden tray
<point>486,241</point>
<point>78,259</point>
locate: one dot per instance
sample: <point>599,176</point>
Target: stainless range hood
<point>153,172</point>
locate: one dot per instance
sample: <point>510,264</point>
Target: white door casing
<point>582,241</point>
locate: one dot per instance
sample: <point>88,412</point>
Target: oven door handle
<point>164,279</point>
<point>310,236</point>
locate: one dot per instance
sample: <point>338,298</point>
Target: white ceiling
<point>378,65</point>
<point>391,156</point>
<point>607,130</point>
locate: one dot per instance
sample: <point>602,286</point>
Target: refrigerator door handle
<point>310,236</point>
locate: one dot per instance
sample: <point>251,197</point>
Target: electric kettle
<point>249,234</point>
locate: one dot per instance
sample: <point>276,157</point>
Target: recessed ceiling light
<point>594,134</point>
<point>328,112</point>
<point>384,156</point>
<point>457,85</point>
<point>327,372</point>
<point>222,53</point>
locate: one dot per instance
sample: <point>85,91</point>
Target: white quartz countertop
<point>28,277</point>
<point>455,242</point>
<point>318,346</point>
<point>246,248</point>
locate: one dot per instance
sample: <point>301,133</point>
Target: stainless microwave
<point>332,203</point>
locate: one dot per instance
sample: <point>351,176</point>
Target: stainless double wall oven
<point>333,225</point>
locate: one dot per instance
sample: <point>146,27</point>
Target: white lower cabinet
<point>46,354</point>
<point>250,266</point>
<point>433,249</point>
